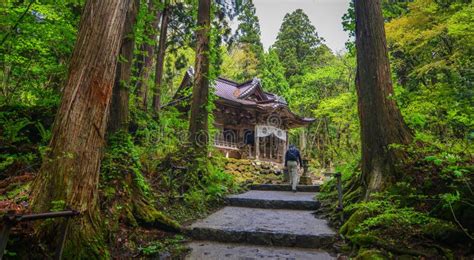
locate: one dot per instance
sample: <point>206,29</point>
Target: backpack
<point>292,155</point>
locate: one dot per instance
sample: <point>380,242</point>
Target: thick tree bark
<point>119,112</point>
<point>381,121</point>
<point>70,172</point>
<point>151,33</point>
<point>160,60</point>
<point>198,123</point>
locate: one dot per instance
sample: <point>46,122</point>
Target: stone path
<point>274,200</point>
<point>265,223</point>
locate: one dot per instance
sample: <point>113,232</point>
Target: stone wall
<point>254,172</point>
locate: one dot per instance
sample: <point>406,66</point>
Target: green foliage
<point>58,205</point>
<point>240,64</point>
<point>197,184</point>
<point>123,159</point>
<point>430,44</point>
<point>432,48</point>
<point>173,245</point>
<point>327,93</point>
<point>248,30</point>
<point>22,134</point>
<point>298,43</point>
<point>383,222</point>
<point>431,205</point>
<point>127,194</point>
<point>273,74</point>
<point>36,53</point>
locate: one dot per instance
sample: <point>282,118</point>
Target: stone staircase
<point>268,222</point>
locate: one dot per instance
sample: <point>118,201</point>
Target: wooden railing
<point>11,219</point>
<point>221,142</point>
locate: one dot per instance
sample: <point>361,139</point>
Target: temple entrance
<point>271,149</point>
<point>271,143</point>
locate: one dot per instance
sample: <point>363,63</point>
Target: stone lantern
<point>305,179</point>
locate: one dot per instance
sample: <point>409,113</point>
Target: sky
<point>325,15</point>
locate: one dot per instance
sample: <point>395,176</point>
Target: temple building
<point>252,123</point>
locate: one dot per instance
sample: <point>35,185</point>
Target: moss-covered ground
<point>426,214</point>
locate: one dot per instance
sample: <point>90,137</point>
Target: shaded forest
<point>88,121</point>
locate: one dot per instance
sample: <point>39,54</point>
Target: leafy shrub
<point>23,135</point>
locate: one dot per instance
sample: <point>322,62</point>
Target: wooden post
<point>7,226</point>
<point>257,148</point>
<point>265,147</point>
<point>281,146</point>
<point>271,146</point>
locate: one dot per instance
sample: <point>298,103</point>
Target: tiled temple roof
<point>239,94</point>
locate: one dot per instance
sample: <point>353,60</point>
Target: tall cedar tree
<point>273,74</point>
<point>296,42</point>
<point>381,121</point>
<point>148,47</point>
<point>248,32</point>
<point>119,111</point>
<point>198,123</point>
<point>70,173</point>
<point>160,59</point>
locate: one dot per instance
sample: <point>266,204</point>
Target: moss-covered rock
<point>370,254</point>
<point>444,231</point>
<point>348,228</point>
<point>251,171</point>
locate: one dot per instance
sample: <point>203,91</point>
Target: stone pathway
<point>267,222</point>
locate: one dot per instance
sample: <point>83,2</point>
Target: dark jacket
<point>293,155</point>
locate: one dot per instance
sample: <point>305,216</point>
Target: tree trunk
<point>151,33</point>
<point>198,123</point>
<point>119,112</point>
<point>69,174</point>
<point>160,60</point>
<point>381,122</point>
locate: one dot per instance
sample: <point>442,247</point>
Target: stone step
<point>216,251</point>
<point>274,200</point>
<point>273,227</point>
<point>285,187</point>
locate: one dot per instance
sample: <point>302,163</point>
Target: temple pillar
<point>257,147</point>
<point>265,147</point>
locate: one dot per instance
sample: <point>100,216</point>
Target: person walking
<point>292,160</point>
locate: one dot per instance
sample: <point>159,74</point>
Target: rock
<point>274,200</point>
<point>215,250</point>
<point>264,227</point>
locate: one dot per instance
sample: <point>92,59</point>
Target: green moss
<point>17,189</point>
<point>370,254</point>
<point>354,221</point>
<point>352,196</point>
<point>443,231</point>
<point>363,239</point>
<point>109,191</point>
<point>149,216</point>
<point>85,245</point>
<point>174,246</point>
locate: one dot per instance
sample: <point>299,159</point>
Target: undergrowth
<point>428,213</point>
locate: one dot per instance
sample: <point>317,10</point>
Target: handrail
<point>11,219</point>
<point>16,218</point>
